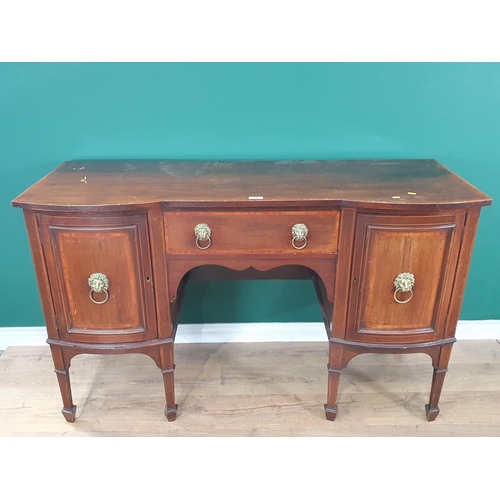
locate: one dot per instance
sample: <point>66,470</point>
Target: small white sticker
<point>255,197</point>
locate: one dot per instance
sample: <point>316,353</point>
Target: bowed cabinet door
<point>117,305</point>
<point>412,308</point>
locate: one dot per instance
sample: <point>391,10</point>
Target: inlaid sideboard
<point>386,243</point>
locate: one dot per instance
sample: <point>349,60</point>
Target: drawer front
<point>116,247</point>
<point>426,248</point>
<point>252,232</point>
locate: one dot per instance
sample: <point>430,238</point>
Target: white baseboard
<point>247,332</point>
<point>22,336</point>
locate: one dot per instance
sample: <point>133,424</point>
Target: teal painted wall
<point>50,113</point>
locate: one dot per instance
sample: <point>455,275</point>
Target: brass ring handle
<point>96,301</point>
<point>296,247</point>
<point>299,233</point>
<point>404,283</point>
<point>98,283</point>
<point>402,301</point>
<point>203,232</point>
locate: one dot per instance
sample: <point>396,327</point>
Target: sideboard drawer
<point>251,232</point>
<point>402,277</point>
<point>101,277</point>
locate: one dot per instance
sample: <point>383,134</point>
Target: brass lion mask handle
<point>98,283</point>
<point>404,283</point>
<point>203,233</point>
<point>299,233</point>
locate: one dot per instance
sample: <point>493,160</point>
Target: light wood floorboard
<point>265,389</point>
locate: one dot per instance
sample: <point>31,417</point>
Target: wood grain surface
<point>252,232</point>
<point>266,389</point>
<point>384,217</point>
<point>254,184</point>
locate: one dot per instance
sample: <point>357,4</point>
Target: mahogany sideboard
<point>387,244</point>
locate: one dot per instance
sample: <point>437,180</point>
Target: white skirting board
<point>247,332</point>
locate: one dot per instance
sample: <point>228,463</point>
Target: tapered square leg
<point>167,369</point>
<point>439,373</point>
<point>432,409</point>
<point>61,364</point>
<point>168,381</point>
<point>335,364</point>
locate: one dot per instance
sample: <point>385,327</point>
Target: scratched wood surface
<point>266,389</point>
<point>101,184</point>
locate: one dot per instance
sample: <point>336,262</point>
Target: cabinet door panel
<point>118,247</point>
<point>386,246</point>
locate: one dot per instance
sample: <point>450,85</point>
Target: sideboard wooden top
<point>361,183</point>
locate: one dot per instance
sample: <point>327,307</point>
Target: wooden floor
<point>265,389</point>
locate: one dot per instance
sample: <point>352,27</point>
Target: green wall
<point>50,113</point>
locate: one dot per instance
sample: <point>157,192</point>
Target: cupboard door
<point>116,249</point>
<point>383,309</point>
